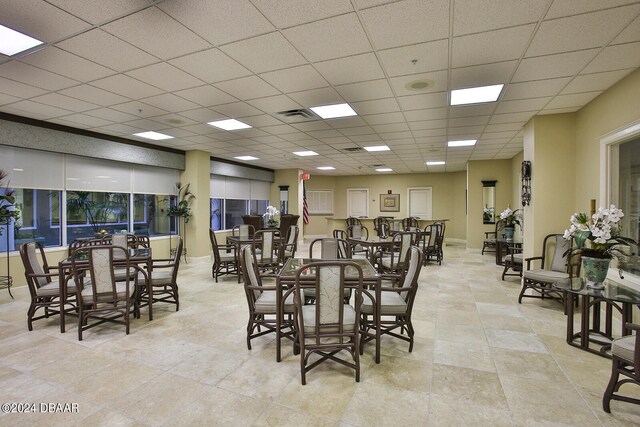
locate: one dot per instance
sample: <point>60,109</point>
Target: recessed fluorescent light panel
<point>476,95</point>
<point>246,158</point>
<point>305,153</point>
<point>378,148</point>
<point>156,136</point>
<point>463,143</point>
<point>230,124</point>
<point>325,168</point>
<point>334,111</point>
<point>12,42</point>
<point>384,170</point>
<point>435,163</point>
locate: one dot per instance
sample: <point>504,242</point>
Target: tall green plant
<point>184,198</point>
<point>98,214</point>
<point>7,200</point>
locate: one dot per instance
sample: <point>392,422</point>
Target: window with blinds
<point>320,202</point>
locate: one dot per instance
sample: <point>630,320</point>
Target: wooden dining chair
<point>162,281</point>
<point>267,248</point>
<point>393,261</point>
<point>330,248</point>
<point>225,260</point>
<point>625,361</point>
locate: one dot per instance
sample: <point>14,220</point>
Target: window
<point>39,219</point>
<point>89,212</point>
<point>217,214</point>
<point>233,197</point>
<point>420,205</point>
<point>320,202</point>
<point>150,214</point>
<point>234,211</point>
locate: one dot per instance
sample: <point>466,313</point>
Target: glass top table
<point>615,295</point>
<point>292,266</point>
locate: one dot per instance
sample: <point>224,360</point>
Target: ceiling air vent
<point>353,149</point>
<point>299,113</point>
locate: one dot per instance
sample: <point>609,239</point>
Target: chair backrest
<point>100,266</point>
<point>396,225</point>
<point>352,220</point>
<point>403,241</point>
<point>330,309</point>
<point>244,231</point>
<point>339,234</point>
<point>120,240</point>
<point>499,228</point>
<point>28,253</point>
<point>81,243</point>
<point>410,223</point>
<point>250,273</point>
<point>292,235</point>
<point>214,245</point>
<point>381,226</point>
<point>266,240</point>
<point>411,271</point>
<point>358,232</point>
<point>331,248</point>
<point>559,261</point>
<point>286,221</point>
<point>143,241</point>
<point>253,220</point>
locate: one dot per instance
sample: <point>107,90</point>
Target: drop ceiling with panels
<point>126,66</point>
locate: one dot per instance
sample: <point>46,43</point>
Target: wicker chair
<point>286,221</point>
<point>164,280</point>
<point>340,234</point>
<point>392,262</point>
<point>267,249</point>
<point>352,220</point>
<point>290,245</point>
<point>512,261</point>
<point>432,243</point>
<point>490,237</point>
<point>255,221</point>
<point>382,227</point>
<point>358,232</point>
<point>330,248</point>
<point>225,260</point>
<point>410,223</point>
<point>625,359</point>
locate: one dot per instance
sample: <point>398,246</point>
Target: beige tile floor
<point>479,359</point>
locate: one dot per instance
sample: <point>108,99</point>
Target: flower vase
<point>595,271</point>
<point>508,232</point>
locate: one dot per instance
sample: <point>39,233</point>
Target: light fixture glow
<point>156,136</point>
<point>246,158</point>
<point>305,153</point>
<point>12,41</point>
<point>476,95</point>
<point>325,168</point>
<point>229,124</point>
<point>18,169</point>
<point>462,143</point>
<point>334,111</point>
<point>435,163</point>
<point>103,176</point>
<point>378,148</point>
<point>384,170</point>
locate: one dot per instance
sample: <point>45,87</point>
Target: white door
<point>358,202</point>
<point>420,203</point>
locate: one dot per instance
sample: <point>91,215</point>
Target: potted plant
<point>182,211</point>
<point>598,240</point>
<point>510,218</point>
<point>270,216</point>
<point>7,209</point>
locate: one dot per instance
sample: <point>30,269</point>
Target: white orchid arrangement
<point>510,217</point>
<point>602,231</point>
<point>270,214</point>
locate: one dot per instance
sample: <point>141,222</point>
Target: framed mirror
<point>489,202</point>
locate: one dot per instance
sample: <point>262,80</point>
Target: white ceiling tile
<point>407,22</point>
<point>247,88</point>
<point>36,109</point>
<point>275,104</point>
<point>376,106</point>
<point>280,129</point>
<point>594,82</point>
<point>341,36</point>
<point>177,132</point>
<point>580,32</point>
<point>351,69</point>
<point>219,21</point>
<point>346,122</point>
<point>504,127</point>
<point>7,99</point>
<point>491,46</point>
<point>173,120</point>
<point>572,100</point>
<point>165,76</point>
<point>615,58</point>
<point>264,53</point>
<point>31,75</point>
<point>377,119</point>
<point>511,117</point>
<point>472,110</point>
<point>428,124</point>
<point>361,130</point>
<point>126,86</point>
<point>262,120</point>
<point>287,14</point>
<point>315,97</point>
<point>139,109</point>
<point>551,66</point>
<point>147,124</point>
<point>111,115</point>
<point>469,121</point>
<point>430,114</point>
<point>203,115</point>
<point>549,87</point>
<point>375,89</point>
<point>40,20</point>
<point>438,82</point>
<point>112,52</point>
<point>99,11</point>
<point>429,56</point>
<point>141,29</point>
<point>516,106</point>
<point>466,130</point>
<point>306,127</point>
<point>58,61</point>
<point>237,109</point>
<point>120,129</point>
<point>21,90</point>
<point>629,34</point>
<point>561,8</point>
<point>295,79</point>
<point>418,102</point>
<point>86,120</point>
<point>62,101</point>
<point>69,123</point>
<point>482,75</point>
<point>481,15</point>
<point>559,110</point>
<point>206,96</point>
<point>199,64</point>
<point>94,95</point>
<point>170,102</point>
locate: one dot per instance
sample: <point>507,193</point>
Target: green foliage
<point>181,209</point>
<point>97,213</point>
<point>7,199</point>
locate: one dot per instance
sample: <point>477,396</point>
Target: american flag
<point>305,207</point>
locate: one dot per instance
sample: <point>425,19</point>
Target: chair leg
<point>606,399</point>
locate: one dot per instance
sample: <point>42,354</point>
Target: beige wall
<point>197,173</point>
<point>486,170</point>
<point>448,195</point>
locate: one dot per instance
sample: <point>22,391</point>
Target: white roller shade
<point>237,188</point>
<point>260,190</point>
<point>83,173</point>
<point>32,168</point>
<point>216,187</point>
<point>154,180</point>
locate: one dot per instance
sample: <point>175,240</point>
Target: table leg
<point>568,301</point>
<point>584,323</point>
<point>608,327</point>
<point>279,314</point>
<point>627,317</point>
<point>378,319</point>
<point>63,296</point>
<point>150,289</point>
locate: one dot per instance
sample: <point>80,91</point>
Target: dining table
<point>241,240</point>
<point>286,279</point>
<point>139,258</point>
<point>373,244</point>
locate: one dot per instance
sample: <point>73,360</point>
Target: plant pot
<point>595,270</point>
<point>508,232</point>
